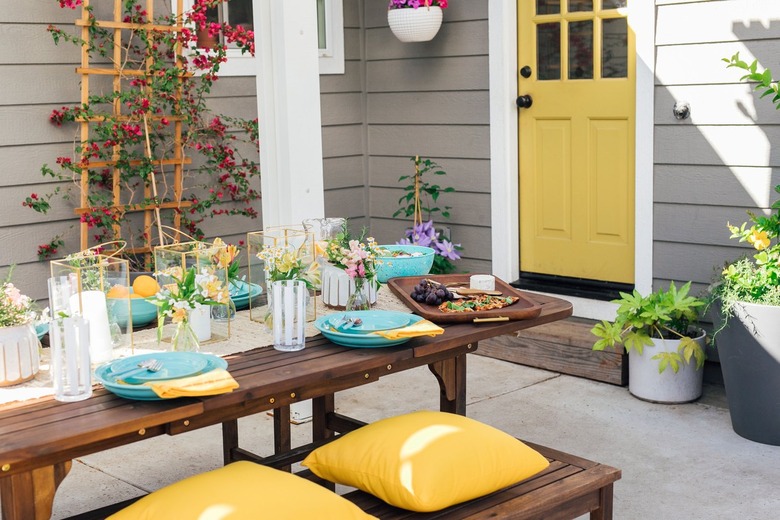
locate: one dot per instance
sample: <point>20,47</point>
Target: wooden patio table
<point>41,437</point>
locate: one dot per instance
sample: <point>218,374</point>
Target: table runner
<point>245,334</point>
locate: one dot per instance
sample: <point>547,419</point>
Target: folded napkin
<point>217,381</point>
<point>421,328</point>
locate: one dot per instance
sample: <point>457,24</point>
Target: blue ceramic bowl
<point>144,312</point>
<point>393,266</point>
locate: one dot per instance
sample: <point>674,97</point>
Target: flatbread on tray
<point>482,303</point>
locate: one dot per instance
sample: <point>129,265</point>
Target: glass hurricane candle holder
<point>171,262</point>
<point>95,287</point>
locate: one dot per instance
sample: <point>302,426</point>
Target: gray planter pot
<point>749,350</point>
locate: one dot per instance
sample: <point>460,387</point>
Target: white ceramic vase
<point>415,25</point>
<point>337,286</point>
<point>19,354</point>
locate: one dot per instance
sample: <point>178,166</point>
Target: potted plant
<point>746,298</point>
<point>415,20</point>
<point>419,202</point>
<point>670,369</point>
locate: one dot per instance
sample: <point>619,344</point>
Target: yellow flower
<point>759,239</point>
<point>179,314</point>
<point>287,262</point>
<point>225,256</point>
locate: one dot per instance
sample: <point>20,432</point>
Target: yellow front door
<point>576,65</point>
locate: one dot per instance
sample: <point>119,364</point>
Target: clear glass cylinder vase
<point>358,300</point>
<point>70,360</point>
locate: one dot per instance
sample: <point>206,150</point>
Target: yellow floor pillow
<point>242,491</point>
<point>426,461</point>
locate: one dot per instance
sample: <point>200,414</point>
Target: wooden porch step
<point>564,346</point>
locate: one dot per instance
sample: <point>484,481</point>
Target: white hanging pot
<point>415,25</point>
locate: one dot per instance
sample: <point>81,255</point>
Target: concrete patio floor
<point>678,461</point>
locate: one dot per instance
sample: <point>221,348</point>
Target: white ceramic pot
<point>337,286</point>
<point>646,383</point>
<point>19,354</point>
<point>415,25</point>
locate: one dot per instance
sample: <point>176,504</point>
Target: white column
<point>288,105</point>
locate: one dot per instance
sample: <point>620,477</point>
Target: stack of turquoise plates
<point>124,378</point>
<point>341,327</point>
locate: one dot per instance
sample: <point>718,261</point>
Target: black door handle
<point>524,101</point>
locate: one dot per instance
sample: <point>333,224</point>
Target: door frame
<point>505,237</point>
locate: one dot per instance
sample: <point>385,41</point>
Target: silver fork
<point>151,365</point>
<point>349,322</point>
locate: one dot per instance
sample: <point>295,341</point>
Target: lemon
<point>117,291</point>
<point>145,286</point>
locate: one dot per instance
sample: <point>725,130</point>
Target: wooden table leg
<point>229,440</point>
<point>30,495</point>
<point>320,408</point>
<point>451,374</point>
<point>282,432</point>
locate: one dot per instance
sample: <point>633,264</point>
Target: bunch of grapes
<point>431,293</point>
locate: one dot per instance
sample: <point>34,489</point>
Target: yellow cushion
<point>239,491</point>
<point>426,461</point>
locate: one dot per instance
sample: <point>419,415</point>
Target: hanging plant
<point>415,20</point>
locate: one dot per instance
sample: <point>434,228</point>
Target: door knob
<point>524,101</point>
<point>525,71</point>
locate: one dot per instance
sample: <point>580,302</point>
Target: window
<point>330,27</point>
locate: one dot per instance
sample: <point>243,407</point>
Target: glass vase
<point>358,300</point>
<point>184,338</point>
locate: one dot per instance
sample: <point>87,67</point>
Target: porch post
<point>288,106</point>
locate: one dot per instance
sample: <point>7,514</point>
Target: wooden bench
<point>570,487</point>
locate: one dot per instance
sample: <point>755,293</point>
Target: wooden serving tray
<point>524,308</point>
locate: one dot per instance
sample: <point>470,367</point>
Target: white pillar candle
<point>289,311</point>
<point>276,305</point>
<point>200,321</point>
<point>92,306</point>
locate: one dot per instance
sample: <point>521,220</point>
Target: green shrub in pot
<point>663,314</point>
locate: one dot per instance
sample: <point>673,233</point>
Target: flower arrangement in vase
<point>420,197</point>
<point>357,259</point>
<point>18,339</point>
<point>187,303</point>
<point>415,20</point>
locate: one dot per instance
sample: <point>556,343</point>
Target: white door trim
<point>502,30</point>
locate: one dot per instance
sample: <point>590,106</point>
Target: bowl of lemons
<point>141,294</point>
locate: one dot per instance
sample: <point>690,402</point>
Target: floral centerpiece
<point>283,263</point>
<point>191,292</point>
<point>18,340</point>
<point>357,258</point>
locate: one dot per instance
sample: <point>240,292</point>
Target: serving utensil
<point>151,365</point>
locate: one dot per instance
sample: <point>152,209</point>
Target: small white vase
<point>337,286</point>
<point>19,354</point>
<point>415,25</point>
<point>200,321</point>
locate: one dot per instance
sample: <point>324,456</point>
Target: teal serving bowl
<point>144,312</point>
<point>391,266</point>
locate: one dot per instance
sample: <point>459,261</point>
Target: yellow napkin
<point>217,381</point>
<point>421,328</point>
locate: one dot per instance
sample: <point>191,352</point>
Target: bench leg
<point>30,495</point>
<point>451,374</point>
<point>229,440</point>
<point>604,512</point>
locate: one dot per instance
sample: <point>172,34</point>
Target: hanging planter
<point>410,24</point>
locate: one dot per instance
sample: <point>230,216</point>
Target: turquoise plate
<point>141,392</point>
<point>360,340</point>
<point>174,365</point>
<point>41,329</point>
<point>371,321</point>
<point>241,294</point>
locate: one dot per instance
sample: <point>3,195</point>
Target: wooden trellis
<point>151,211</point>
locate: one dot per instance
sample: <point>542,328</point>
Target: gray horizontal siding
<point>721,162</point>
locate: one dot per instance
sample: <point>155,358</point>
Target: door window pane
<point>613,4</point>
<point>581,50</point>
<point>548,6</point>
<point>580,5</point>
<point>614,48</point>
<point>548,50</point>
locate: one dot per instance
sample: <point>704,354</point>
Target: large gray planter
<point>749,351</point>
